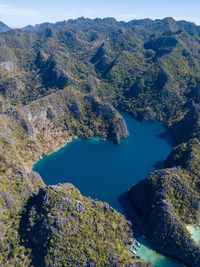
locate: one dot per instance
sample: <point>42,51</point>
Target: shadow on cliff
<point>167,137</point>
<point>130,213</point>
<point>37,254</point>
<point>133,216</point>
<point>158,165</point>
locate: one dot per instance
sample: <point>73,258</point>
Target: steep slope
<point>72,229</point>
<point>62,81</point>
<point>28,27</point>
<point>27,134</point>
<point>4,27</point>
<point>167,200</point>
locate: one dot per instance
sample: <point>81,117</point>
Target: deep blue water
<point>106,171</point>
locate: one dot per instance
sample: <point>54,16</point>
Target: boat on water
<point>137,243</point>
<point>133,251</point>
<point>135,246</point>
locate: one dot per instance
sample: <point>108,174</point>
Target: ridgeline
<point>66,80</point>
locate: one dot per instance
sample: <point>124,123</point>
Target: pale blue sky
<point>18,13</point>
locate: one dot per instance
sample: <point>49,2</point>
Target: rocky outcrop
<point>188,127</point>
<point>51,74</point>
<point>59,82</point>
<point>27,134</point>
<point>117,130</point>
<point>65,110</point>
<point>162,45</point>
<point>146,114</point>
<point>102,59</point>
<point>165,202</point>
<point>168,200</point>
<point>59,218</point>
<point>185,155</point>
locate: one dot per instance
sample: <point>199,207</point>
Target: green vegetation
<point>67,229</point>
<point>62,81</point>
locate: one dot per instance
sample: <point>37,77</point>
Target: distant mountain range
<point>64,80</point>
<point>168,23</point>
<point>28,27</point>
<point>4,27</point>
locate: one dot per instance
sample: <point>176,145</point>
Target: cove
<point>105,171</point>
<point>195,232</point>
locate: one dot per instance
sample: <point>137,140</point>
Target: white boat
<point>137,243</point>
<point>133,251</point>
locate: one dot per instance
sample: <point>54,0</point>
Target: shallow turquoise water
<point>106,171</point>
<point>195,233</point>
<point>147,254</point>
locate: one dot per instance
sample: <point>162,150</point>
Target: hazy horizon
<point>92,19</point>
<point>23,13</point>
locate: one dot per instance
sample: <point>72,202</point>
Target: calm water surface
<point>106,171</point>
<point>195,232</point>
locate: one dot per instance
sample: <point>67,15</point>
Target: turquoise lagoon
<point>105,171</point>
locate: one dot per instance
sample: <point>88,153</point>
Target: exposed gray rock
<point>155,200</point>
<point>8,65</point>
<point>118,130</point>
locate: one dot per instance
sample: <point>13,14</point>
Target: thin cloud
<point>127,17</point>
<point>10,10</point>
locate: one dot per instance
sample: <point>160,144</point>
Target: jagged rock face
<point>158,200</point>
<point>189,126</point>
<point>72,229</point>
<point>62,81</point>
<point>169,199</point>
<point>35,130</point>
<point>52,76</point>
<point>59,110</point>
<point>147,114</point>
<point>162,45</point>
<point>116,53</point>
<point>117,129</point>
<point>185,155</point>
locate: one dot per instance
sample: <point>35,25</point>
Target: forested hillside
<point>67,80</point>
